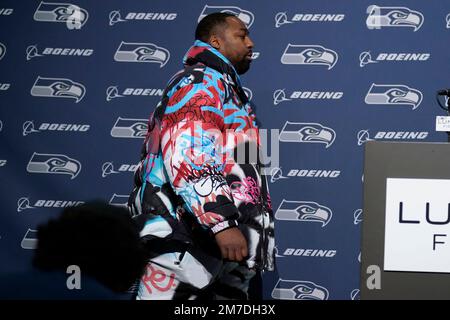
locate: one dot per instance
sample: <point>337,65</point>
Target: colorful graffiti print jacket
<point>198,169</point>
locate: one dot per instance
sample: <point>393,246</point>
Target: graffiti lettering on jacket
<point>157,279</point>
<point>246,190</point>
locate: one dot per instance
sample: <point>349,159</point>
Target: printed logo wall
<point>79,80</point>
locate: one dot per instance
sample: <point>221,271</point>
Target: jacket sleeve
<point>195,156</point>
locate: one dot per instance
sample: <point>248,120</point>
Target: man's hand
<point>232,244</point>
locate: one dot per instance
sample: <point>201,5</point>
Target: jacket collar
<point>202,52</point>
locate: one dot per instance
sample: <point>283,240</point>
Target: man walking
<point>199,194</point>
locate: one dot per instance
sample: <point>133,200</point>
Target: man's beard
<point>242,66</point>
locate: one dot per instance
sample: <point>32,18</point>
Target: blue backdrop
<point>328,75</point>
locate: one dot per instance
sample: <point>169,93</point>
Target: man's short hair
<point>209,24</point>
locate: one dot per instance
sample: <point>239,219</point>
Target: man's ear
<point>215,42</point>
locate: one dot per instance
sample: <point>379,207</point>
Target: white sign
<point>443,123</point>
<point>417,226</point>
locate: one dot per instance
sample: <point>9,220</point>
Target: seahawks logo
<point>142,52</point>
<point>393,94</point>
<point>58,88</point>
<point>299,290</point>
<point>73,16</point>
<point>306,211</point>
<point>129,128</point>
<point>309,55</point>
<point>54,164</point>
<point>307,133</point>
<point>381,17</point>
